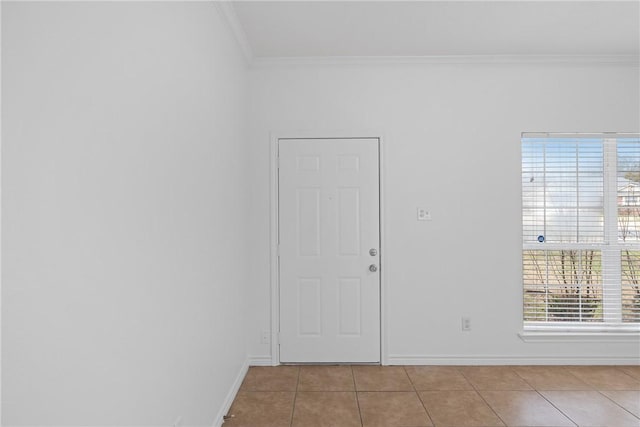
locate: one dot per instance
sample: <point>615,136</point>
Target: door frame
<point>275,137</point>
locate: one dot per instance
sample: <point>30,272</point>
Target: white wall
<point>124,213</point>
<point>125,227</point>
<point>452,136</point>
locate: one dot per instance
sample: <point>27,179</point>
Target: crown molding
<point>229,14</point>
<point>269,62</point>
<point>227,11</point>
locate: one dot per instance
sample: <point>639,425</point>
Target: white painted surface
<point>428,28</point>
<point>1,275</point>
<point>126,232</point>
<point>328,221</point>
<point>124,213</point>
<point>452,145</point>
<point>231,395</point>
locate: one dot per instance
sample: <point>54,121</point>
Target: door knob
<point>373,268</point>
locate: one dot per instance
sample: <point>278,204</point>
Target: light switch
<point>424,214</point>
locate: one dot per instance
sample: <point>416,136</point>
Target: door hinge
<point>278,338</point>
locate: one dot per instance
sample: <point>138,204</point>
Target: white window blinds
<point>581,230</point>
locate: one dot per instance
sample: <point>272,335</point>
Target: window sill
<point>585,336</point>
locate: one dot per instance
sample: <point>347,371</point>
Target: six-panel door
<point>328,226</point>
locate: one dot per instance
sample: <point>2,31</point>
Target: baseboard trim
<point>231,395</point>
<point>513,360</point>
<point>260,361</point>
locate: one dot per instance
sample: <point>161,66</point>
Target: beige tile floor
<point>456,396</point>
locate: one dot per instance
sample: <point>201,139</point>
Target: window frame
<point>612,327</point>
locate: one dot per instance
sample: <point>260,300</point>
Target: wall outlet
<point>466,324</point>
<point>424,214</point>
<point>264,339</point>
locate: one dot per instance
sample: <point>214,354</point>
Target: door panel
<point>328,221</point>
<point>308,221</point>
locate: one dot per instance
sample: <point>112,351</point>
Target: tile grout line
<point>592,388</point>
<point>415,390</point>
<point>597,390</point>
<point>621,368</point>
<point>581,379</point>
<point>616,403</point>
<point>557,408</point>
<point>618,368</point>
<point>355,389</point>
<point>550,402</point>
<point>600,392</point>
<point>295,397</point>
<point>482,397</point>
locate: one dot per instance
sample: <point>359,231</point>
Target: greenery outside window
<point>581,232</point>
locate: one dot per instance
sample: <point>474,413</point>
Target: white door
<point>329,237</point>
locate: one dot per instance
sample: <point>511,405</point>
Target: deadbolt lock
<point>373,252</point>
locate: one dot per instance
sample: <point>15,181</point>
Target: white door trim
<point>273,200</point>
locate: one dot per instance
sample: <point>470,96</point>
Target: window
<point>581,232</point>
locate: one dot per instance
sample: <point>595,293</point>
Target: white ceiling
<point>297,29</point>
